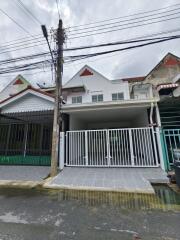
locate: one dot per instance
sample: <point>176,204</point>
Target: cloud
<point>78,12</point>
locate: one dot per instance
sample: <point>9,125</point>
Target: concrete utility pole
<point>58,100</point>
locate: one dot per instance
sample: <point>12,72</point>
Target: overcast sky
<point>137,62</point>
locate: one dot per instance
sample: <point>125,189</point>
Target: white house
<point>26,126</point>
<point>95,102</point>
<point>105,125</point>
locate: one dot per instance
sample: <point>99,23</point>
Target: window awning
<point>165,86</point>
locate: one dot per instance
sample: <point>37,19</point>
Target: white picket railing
<point>131,147</point>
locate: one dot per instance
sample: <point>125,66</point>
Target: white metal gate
<point>130,147</point>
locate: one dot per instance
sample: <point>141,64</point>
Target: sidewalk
<point>108,179</point>
<point>23,176</point>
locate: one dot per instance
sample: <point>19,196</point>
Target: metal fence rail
<point>133,147</point>
<point>172,141</point>
<point>25,143</point>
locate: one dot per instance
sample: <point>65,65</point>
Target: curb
<point>20,184</point>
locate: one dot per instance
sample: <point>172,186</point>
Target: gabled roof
<point>19,79</point>
<point>24,92</point>
<point>166,62</point>
<point>85,71</point>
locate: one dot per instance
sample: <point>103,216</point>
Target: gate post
<point>131,147</point>
<point>86,148</point>
<point>160,148</point>
<point>61,151</point>
<point>108,149</point>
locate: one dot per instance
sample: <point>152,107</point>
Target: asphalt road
<point>36,215</point>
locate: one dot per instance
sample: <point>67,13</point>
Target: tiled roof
<point>28,88</point>
<point>134,79</point>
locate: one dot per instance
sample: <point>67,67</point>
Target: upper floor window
<point>77,99</point>
<point>117,96</point>
<point>97,98</point>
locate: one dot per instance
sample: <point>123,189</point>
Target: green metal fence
<point>27,160</point>
<point>171,140</point>
<point>25,144</point>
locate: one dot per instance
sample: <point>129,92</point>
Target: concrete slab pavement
<point>108,179</point>
<point>25,176</point>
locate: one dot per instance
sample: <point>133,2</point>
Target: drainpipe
<point>158,119</point>
<point>151,113</point>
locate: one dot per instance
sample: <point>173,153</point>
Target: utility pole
<point>57,123</point>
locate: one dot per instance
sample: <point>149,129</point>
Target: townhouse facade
<point>106,123</point>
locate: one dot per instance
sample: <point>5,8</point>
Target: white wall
<point>96,84</point>
<point>27,103</point>
<point>142,91</point>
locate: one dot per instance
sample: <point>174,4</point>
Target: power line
<point>125,28</point>
<point>83,56</point>
<point>117,43</point>
<point>117,53</point>
<point>22,58</point>
<point>21,48</point>
<point>15,22</point>
<point>72,58</point>
<point>126,24</point>
<point>125,16</point>
<point>35,73</point>
<point>24,38</point>
<point>26,67</point>
<point>26,43</point>
<point>27,11</point>
<point>131,39</point>
<point>126,20</point>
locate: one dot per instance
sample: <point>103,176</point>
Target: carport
<point>26,121</point>
<point>111,135</point>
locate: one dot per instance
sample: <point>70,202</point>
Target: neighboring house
<point>26,119</point>
<point>16,85</point>
<point>164,80</point>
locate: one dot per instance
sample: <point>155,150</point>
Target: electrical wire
<point>71,58</point>
<point>23,58</point>
<point>26,67</point>
<point>15,22</point>
<point>127,20</point>
<point>83,56</point>
<point>21,48</point>
<point>130,39</point>
<point>117,43</point>
<point>120,29</point>
<point>125,16</point>
<point>28,12</point>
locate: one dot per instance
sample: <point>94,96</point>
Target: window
<point>77,99</point>
<point>117,96</point>
<point>97,98</point>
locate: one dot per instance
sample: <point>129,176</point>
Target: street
<point>39,214</point>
